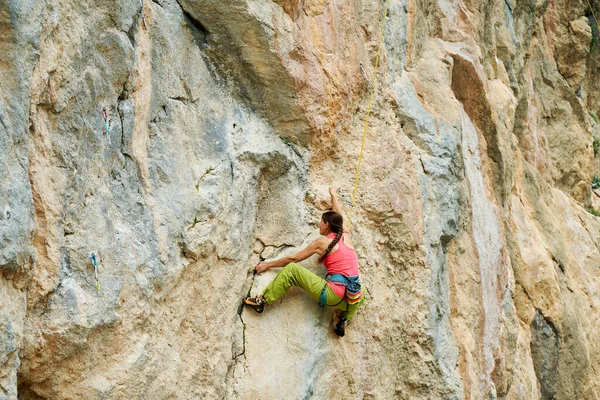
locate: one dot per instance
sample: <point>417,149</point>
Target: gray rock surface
<point>227,120</point>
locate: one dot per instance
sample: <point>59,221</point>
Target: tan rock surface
<point>480,261</point>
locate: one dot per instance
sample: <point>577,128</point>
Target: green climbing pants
<point>296,275</point>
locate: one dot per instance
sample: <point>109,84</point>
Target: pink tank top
<point>342,261</point>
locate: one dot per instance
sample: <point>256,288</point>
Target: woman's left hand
<point>261,267</point>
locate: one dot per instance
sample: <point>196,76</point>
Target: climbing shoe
<point>340,329</point>
<point>257,303</point>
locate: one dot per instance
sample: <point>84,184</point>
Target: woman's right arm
<point>316,247</point>
<point>335,205</point>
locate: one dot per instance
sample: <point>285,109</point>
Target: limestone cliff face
<point>478,248</point>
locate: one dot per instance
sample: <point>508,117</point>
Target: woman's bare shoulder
<point>323,242</point>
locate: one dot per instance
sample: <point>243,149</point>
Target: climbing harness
<point>106,124</point>
<point>95,264</point>
<point>352,292</point>
<point>362,146</point>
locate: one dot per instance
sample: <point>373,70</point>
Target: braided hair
<point>336,223</point>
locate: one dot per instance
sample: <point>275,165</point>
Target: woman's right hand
<point>261,267</point>
<point>333,190</point>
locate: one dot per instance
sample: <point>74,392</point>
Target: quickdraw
<point>95,264</point>
<point>362,68</point>
<point>143,17</point>
<point>339,191</point>
<point>106,124</point>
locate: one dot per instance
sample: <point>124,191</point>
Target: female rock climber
<point>341,290</point>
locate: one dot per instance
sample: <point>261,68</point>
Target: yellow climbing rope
<point>373,86</point>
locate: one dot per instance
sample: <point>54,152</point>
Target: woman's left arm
<point>314,247</point>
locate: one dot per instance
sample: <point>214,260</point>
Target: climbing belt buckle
<point>345,198</point>
<point>95,264</point>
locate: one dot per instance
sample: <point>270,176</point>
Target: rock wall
<point>474,224</point>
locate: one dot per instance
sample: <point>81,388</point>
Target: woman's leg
<point>348,313</point>
<point>352,309</point>
<point>294,275</point>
